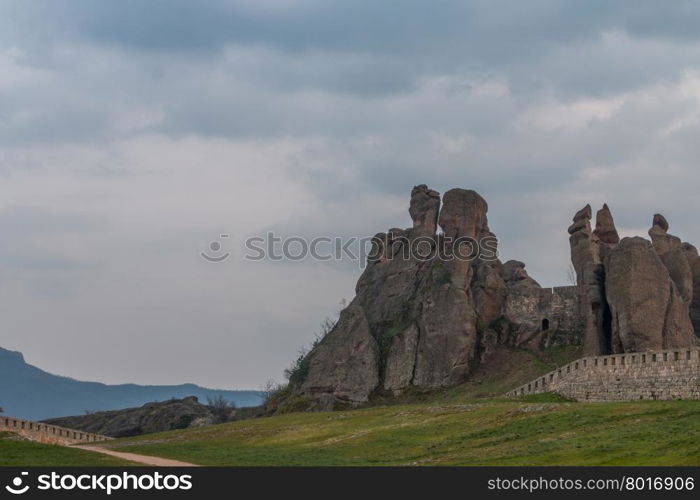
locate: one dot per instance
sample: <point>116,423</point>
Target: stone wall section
<point>45,433</point>
<point>559,305</point>
<point>663,375</point>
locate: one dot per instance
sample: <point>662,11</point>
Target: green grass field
<point>542,430</point>
<point>463,425</point>
<point>15,452</point>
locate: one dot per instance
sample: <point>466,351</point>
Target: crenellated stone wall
<point>44,433</point>
<point>667,374</point>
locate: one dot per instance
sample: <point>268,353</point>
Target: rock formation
<point>648,311</point>
<point>151,417</point>
<point>424,209</point>
<point>414,321</point>
<point>522,307</point>
<point>605,229</point>
<point>670,249</point>
<point>586,250</point>
<point>634,295</point>
<point>346,364</point>
<point>691,254</point>
<point>429,306</point>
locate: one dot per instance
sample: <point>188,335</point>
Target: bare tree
<point>221,408</point>
<point>268,389</point>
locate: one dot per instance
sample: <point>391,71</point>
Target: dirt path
<point>133,457</point>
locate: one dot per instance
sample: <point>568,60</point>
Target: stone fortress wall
<point>45,433</point>
<point>666,374</point>
<point>551,313</point>
<point>559,308</point>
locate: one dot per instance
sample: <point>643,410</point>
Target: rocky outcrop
<point>414,321</point>
<point>151,417</point>
<point>448,329</point>
<point>691,254</point>
<point>463,217</point>
<point>401,359</point>
<point>586,250</point>
<point>672,254</point>
<point>605,230</point>
<point>522,307</point>
<point>617,299</point>
<point>345,366</point>
<point>648,311</point>
<point>424,209</point>
<point>680,259</point>
<point>463,214</point>
<point>431,306</point>
<point>662,241</point>
<point>514,273</point>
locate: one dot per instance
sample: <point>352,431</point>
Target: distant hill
<point>29,392</point>
<point>151,417</point>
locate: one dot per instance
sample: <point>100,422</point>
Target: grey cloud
<point>407,26</point>
<point>17,219</point>
<point>169,123</point>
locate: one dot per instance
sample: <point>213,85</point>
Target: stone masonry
<point>45,433</point>
<point>667,374</point>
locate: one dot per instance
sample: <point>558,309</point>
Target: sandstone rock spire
<point>605,229</point>
<point>463,214</point>
<point>670,250</point>
<point>691,254</point>
<point>424,209</point>
<point>647,310</point>
<point>590,277</point>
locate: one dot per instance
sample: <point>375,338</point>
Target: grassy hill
<point>541,430</point>
<point>18,452</point>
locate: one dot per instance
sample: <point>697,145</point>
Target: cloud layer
<point>134,133</point>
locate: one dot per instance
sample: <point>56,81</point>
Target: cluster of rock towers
<point>429,322</point>
<point>635,294</point>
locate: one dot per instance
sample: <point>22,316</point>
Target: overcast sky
<point>133,133</point>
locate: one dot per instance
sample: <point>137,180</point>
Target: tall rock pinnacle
<point>590,277</point>
<point>648,312</point>
<point>424,209</point>
<point>605,227</point>
<point>463,214</point>
<point>670,250</point>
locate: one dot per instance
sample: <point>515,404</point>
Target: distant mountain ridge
<point>31,393</point>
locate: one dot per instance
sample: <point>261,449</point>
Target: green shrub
<point>183,422</point>
<point>294,404</point>
<point>297,373</point>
